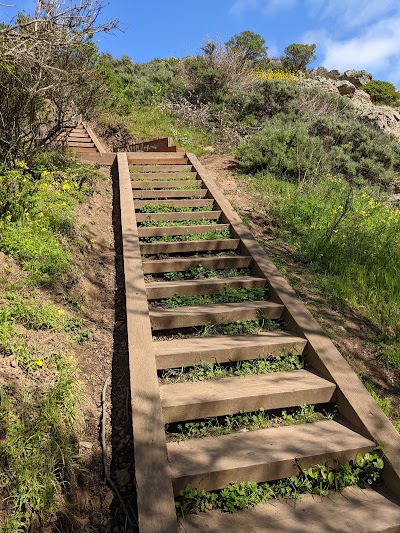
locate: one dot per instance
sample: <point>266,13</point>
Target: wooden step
<point>79,135</point>
<point>167,289</point>
<point>198,315</point>
<point>172,166</point>
<point>188,246</point>
<point>179,353</point>
<point>162,184</point>
<point>264,455</point>
<point>170,193</point>
<point>202,399</point>
<point>191,215</point>
<point>178,203</point>
<point>181,230</point>
<point>164,175</point>
<point>79,144</point>
<point>81,149</point>
<point>81,140</point>
<point>352,510</point>
<point>158,266</point>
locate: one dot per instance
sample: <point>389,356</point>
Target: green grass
<point>201,272</point>
<point>165,208</point>
<point>351,240</point>
<point>246,327</point>
<point>193,186</point>
<point>38,452</point>
<point>229,295</point>
<point>320,480</point>
<point>206,236</point>
<point>170,223</point>
<point>206,371</point>
<point>261,419</point>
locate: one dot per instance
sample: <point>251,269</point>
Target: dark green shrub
<point>284,150</point>
<point>382,92</point>
<point>298,56</point>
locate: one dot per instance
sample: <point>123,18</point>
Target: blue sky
<point>361,34</point>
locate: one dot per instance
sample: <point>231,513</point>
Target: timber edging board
<point>353,400</point>
<point>155,499</point>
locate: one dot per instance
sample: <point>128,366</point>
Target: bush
<point>285,150</point>
<point>382,92</point>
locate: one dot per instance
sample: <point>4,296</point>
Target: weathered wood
<point>181,230</point>
<point>79,135</point>
<point>164,184</point>
<point>84,140</point>
<point>170,193</point>
<point>278,390</point>
<point>179,203</point>
<point>198,315</point>
<point>81,150</point>
<point>155,145</point>
<point>78,144</point>
<point>352,510</point>
<point>262,455</point>
<point>95,139</point>
<point>157,266</point>
<point>354,402</point>
<point>180,353</point>
<point>188,246</point>
<point>155,501</point>
<point>163,175</point>
<point>98,159</point>
<point>167,289</point>
<point>179,215</point>
<point>155,163</point>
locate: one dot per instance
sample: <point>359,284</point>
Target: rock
<point>345,88</point>
<point>334,74</point>
<point>320,83</point>
<point>85,444</point>
<point>109,498</point>
<point>385,119</point>
<point>361,97</point>
<point>123,477</point>
<point>357,77</point>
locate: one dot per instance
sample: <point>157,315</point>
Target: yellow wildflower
<point>39,362</point>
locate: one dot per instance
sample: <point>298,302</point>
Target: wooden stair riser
<point>160,266</point>
<point>153,164</point>
<point>186,317</point>
<point>224,349</point>
<point>188,246</point>
<point>168,289</point>
<point>279,390</point>
<point>150,176</point>
<point>196,215</point>
<point>162,184</point>
<point>170,193</point>
<point>178,203</point>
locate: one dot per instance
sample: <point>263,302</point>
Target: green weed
<point>169,223</point>
<point>206,236</point>
<point>201,272</point>
<point>227,296</point>
<point>165,208</point>
<point>206,371</point>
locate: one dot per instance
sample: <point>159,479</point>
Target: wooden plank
<point>199,315</point>
<point>188,246</point>
<point>179,215</point>
<point>84,140</point>
<point>157,266</point>
<point>82,150</point>
<point>219,397</point>
<point>179,353</point>
<point>354,401</point>
<point>75,144</point>
<point>163,175</point>
<point>178,203</point>
<point>98,159</point>
<point>162,184</point>
<point>78,135</point>
<point>167,289</point>
<point>352,510</point>
<point>262,455</point>
<point>95,139</point>
<point>156,509</point>
<point>181,230</point>
<point>170,193</point>
<point>162,167</point>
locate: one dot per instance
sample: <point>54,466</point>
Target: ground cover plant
<point>165,208</point>
<point>319,479</point>
<point>201,272</point>
<point>39,392</point>
<point>169,223</point>
<point>205,371</point>
<point>204,236</point>
<point>251,421</point>
<point>229,295</point>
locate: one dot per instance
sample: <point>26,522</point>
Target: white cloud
<point>274,6</point>
<point>240,6</point>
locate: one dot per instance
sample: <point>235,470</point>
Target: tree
<point>382,92</point>
<point>251,44</point>
<point>48,73</point>
<point>298,56</point>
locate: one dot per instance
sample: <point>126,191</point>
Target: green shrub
<point>382,92</point>
<point>284,150</point>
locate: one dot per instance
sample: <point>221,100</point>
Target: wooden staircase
<point>160,339</point>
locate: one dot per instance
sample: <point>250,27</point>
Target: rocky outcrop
<point>382,118</point>
<point>357,77</point>
<point>345,88</point>
<point>320,83</point>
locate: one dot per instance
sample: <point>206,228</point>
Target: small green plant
<point>245,327</point>
<point>165,208</point>
<point>205,236</point>
<point>227,296</point>
<point>201,272</point>
<point>319,479</point>
<point>169,223</point>
<point>205,371</point>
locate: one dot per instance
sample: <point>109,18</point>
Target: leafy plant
<point>382,92</point>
